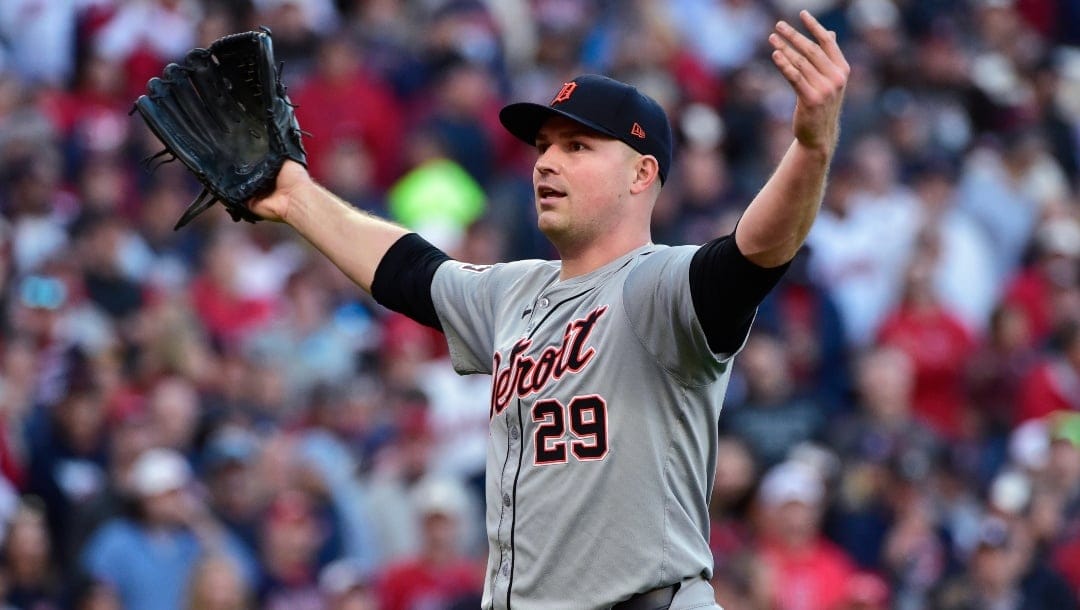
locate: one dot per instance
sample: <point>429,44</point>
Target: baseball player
<point>608,366</point>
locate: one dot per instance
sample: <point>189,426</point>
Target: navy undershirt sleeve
<point>403,279</point>
<point>726,289</point>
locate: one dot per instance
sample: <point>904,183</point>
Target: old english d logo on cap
<point>564,93</point>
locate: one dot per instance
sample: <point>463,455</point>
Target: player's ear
<point>646,173</point>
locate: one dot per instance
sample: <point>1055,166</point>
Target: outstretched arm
<point>777,221</point>
<point>353,240</point>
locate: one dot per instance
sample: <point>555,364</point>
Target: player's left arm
<point>730,276</point>
<point>776,222</point>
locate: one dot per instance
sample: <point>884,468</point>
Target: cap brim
<point>524,120</point>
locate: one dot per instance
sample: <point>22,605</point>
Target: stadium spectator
<point>31,580</point>
<point>290,537</point>
<point>347,586</point>
<point>772,418</point>
<point>216,584</point>
<point>806,318</point>
<point>1054,384</point>
<point>149,557</point>
<point>1048,289</point>
<point>234,492</point>
<point>937,342</point>
<point>796,566</point>
<point>144,36</point>
<point>880,434</point>
<point>1000,574</point>
<point>860,246</point>
<point>68,454</point>
<point>730,532</point>
<point>342,100</point>
<point>1005,188</point>
<point>440,574</point>
<point>996,370</point>
<point>963,278</point>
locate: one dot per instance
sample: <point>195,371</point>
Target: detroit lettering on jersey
<point>525,374</point>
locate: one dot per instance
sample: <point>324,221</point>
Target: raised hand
<point>818,72</point>
<point>275,205</point>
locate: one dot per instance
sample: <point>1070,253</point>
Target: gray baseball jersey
<point>603,417</point>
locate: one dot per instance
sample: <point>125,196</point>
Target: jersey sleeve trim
<point>726,289</point>
<point>403,279</point>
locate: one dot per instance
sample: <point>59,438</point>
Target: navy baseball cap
<point>605,105</point>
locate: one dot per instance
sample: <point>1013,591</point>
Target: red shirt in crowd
<point>1052,386</point>
<point>1030,292</point>
<point>416,584</point>
<point>813,578</point>
<point>225,315</point>
<point>358,108</point>
<point>939,346</point>
<point>1066,560</point>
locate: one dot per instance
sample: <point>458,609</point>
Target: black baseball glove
<point>225,114</point>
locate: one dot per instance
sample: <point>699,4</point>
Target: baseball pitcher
<point>609,366</point>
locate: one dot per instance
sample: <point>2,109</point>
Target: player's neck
<point>580,261</point>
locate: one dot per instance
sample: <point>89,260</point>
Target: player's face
<point>581,180</point>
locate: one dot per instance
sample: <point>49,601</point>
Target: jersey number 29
<point>587,417</point>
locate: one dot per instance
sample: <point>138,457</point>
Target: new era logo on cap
<point>605,105</point>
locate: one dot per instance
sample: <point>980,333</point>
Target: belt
<point>657,599</point>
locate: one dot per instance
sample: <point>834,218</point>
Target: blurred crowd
<point>217,419</point>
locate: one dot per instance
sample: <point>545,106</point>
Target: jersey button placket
<point>506,484</point>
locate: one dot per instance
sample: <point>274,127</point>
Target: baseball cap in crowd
<point>342,576</point>
<point>229,446</point>
<point>439,495</point>
<point>1010,492</point>
<point>792,482</point>
<point>605,105</point>
<point>158,471</point>
<point>1059,236</point>
<point>1029,444</point>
